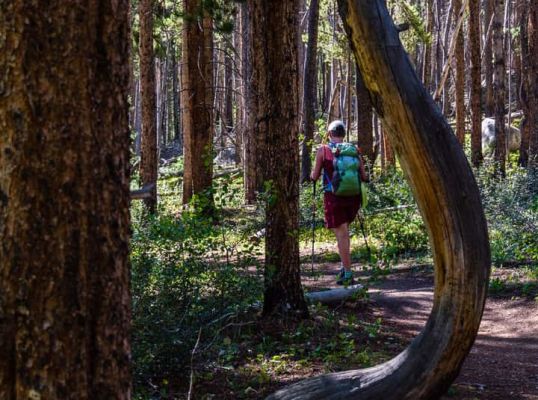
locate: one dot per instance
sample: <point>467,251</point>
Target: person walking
<point>342,166</point>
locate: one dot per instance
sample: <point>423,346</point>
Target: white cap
<point>333,126</point>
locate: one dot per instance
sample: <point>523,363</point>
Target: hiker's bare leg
<point>342,238</point>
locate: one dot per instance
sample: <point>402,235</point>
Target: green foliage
<point>393,218</point>
<point>332,41</point>
<point>413,15</point>
<point>511,207</point>
<point>188,274</point>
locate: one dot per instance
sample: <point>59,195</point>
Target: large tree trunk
<point>64,200</point>
<point>525,84</point>
<point>532,33</point>
<point>148,154</point>
<point>275,83</point>
<point>310,90</point>
<point>448,198</point>
<point>197,100</point>
<point>476,102</point>
<point>499,78</point>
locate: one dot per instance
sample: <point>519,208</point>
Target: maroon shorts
<point>339,210</point>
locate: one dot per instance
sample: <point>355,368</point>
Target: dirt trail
<point>503,363</point>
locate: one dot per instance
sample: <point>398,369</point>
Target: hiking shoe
<point>341,273</point>
<point>345,278</point>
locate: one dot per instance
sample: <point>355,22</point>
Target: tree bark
<point>427,59</point>
<point>476,101</point>
<point>532,33</point>
<point>228,93</point>
<point>449,201</point>
<point>148,154</point>
<point>525,84</point>
<point>64,200</point>
<point>499,78</point>
<point>276,87</point>
<point>310,90</point>
<point>388,152</point>
<point>175,98</point>
<point>364,119</point>
<point>460,78</point>
<point>197,100</point>
<point>489,11</point>
<point>252,143</point>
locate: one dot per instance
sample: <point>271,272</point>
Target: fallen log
<point>220,174</point>
<point>142,193</point>
<point>334,295</point>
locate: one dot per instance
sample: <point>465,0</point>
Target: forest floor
<point>503,363</point>
<point>267,355</point>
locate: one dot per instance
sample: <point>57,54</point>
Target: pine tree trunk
<point>301,54</point>
<point>460,78</point>
<point>489,11</point>
<point>197,100</point>
<point>238,91</point>
<point>175,98</point>
<point>64,200</point>
<point>532,33</point>
<point>525,84</point>
<point>499,78</point>
<point>476,101</point>
<point>252,142</point>
<point>390,158</point>
<point>148,153</point>
<point>310,90</point>
<point>275,82</point>
<point>228,94</point>
<point>449,200</point>
<point>427,59</point>
<point>364,119</point>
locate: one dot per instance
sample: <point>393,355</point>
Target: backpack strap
<point>325,174</point>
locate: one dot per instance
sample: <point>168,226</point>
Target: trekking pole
<point>313,222</point>
<point>361,223</point>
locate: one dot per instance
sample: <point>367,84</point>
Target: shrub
<point>188,275</point>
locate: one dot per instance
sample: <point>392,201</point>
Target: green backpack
<point>346,177</point>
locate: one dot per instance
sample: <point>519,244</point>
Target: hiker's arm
<point>316,171</point>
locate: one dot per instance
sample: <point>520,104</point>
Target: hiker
<point>341,199</point>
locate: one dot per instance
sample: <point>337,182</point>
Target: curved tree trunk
<point>64,200</point>
<point>448,198</point>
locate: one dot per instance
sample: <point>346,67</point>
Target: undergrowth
<point>197,281</point>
